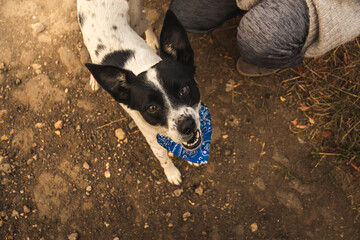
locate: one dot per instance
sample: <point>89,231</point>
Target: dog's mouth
<point>194,142</point>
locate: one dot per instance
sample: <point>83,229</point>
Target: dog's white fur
<point>97,28</point>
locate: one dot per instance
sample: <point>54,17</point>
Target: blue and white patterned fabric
<point>199,155</point>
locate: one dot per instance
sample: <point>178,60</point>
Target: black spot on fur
<point>81,18</point>
<point>99,48</point>
<point>117,58</point>
<point>114,27</point>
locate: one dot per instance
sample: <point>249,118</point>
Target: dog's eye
<point>184,90</point>
<point>152,108</point>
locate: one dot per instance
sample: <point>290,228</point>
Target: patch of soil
<point>261,182</point>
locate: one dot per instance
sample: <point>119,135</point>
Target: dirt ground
<point>75,180</point>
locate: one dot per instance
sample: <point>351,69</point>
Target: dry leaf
<point>295,121</point>
<point>304,108</point>
<point>326,133</point>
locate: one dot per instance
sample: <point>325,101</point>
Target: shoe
<point>250,70</point>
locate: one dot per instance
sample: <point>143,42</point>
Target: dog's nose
<point>187,125</point>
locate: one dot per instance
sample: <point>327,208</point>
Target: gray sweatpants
<point>270,35</point>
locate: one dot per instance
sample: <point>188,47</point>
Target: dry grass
<point>328,90</point>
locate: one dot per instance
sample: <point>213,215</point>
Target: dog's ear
<point>114,80</point>
<point>174,41</point>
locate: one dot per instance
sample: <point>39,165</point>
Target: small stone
<point>132,125</point>
<point>39,125</point>
<point>259,182</point>
<point>290,201</point>
<point>1,223</point>
<point>73,236</point>
<point>37,27</point>
<point>2,66</point>
<point>186,215</point>
<point>57,133</point>
<point>170,225</point>
<point>107,174</point>
<point>2,214</point>
<point>203,233</point>
<point>26,209</point>
<point>86,165</point>
<point>146,226</point>
<point>59,124</point>
<point>254,227</point>
<point>88,188</point>
<point>116,238</point>
<point>17,81</point>
<point>120,134</point>
<point>36,66</point>
<point>229,86</point>
<point>78,128</point>
<point>280,158</point>
<point>225,136</point>
<point>15,214</point>
<point>29,161</point>
<point>4,138</point>
<point>199,190</point>
<point>178,192</point>
<point>227,153</point>
<point>6,168</point>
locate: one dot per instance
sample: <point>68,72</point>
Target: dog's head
<point>166,95</point>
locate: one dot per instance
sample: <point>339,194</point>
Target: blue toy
<point>199,155</point>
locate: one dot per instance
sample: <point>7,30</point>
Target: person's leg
<point>202,16</point>
<point>272,34</point>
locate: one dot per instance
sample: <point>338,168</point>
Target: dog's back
<point>106,30</point>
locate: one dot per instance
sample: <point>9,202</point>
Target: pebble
<point>254,227</point>
<point>78,128</point>
<point>73,236</point>
<point>57,133</point>
<point>280,158</point>
<point>6,168</point>
<point>199,190</point>
<point>15,214</point>
<point>88,188</point>
<point>59,124</point>
<point>2,66</point>
<point>39,125</point>
<point>229,86</point>
<point>120,134</point>
<point>86,165</point>
<point>186,216</point>
<point>2,214</point>
<point>132,125</point>
<point>259,182</point>
<point>178,192</point>
<point>38,27</point>
<point>227,153</point>
<point>36,66</point>
<point>107,174</point>
<point>26,209</point>
<point>17,81</point>
<point>116,238</point>
<point>290,201</point>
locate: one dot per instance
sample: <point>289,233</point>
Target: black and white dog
<point>158,92</point>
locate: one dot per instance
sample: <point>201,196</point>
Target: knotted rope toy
<point>199,155</point>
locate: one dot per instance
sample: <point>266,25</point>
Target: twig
<point>261,153</point>
<point>119,120</point>
<point>343,138</point>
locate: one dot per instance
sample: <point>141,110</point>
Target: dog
<point>157,90</point>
